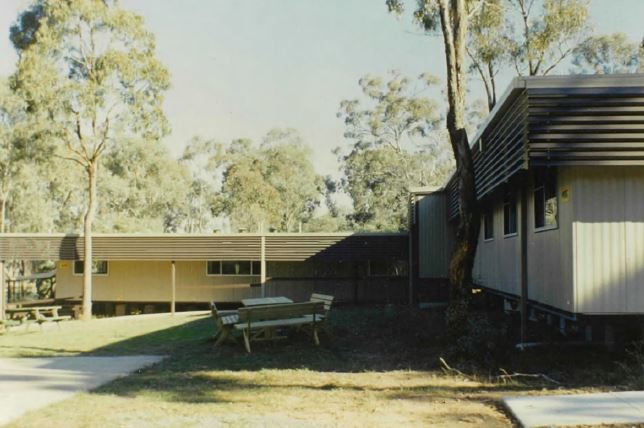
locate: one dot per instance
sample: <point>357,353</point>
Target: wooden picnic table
<point>35,311</point>
<point>264,301</point>
<point>262,322</point>
<point>39,314</point>
<point>268,333</point>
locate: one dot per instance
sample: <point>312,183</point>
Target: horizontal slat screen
<point>499,153</point>
<point>600,126</point>
<point>452,198</point>
<point>559,121</point>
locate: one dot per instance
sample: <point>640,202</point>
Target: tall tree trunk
<point>3,213</point>
<point>453,16</point>
<point>92,171</point>
<point>3,291</point>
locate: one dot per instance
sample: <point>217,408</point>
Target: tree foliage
<point>144,188</point>
<point>90,67</point>
<point>532,36</point>
<point>548,33</point>
<point>270,186</point>
<point>395,146</point>
<point>489,45</point>
<point>608,54</point>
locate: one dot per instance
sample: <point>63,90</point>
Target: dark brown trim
<point>279,247</point>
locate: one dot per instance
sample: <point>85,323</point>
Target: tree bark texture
<point>453,16</point>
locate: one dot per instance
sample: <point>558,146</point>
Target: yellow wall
<point>150,281</point>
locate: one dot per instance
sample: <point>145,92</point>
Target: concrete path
<point>30,383</point>
<point>582,409</point>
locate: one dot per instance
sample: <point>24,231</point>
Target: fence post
<point>174,288</point>
<point>3,292</point>
<point>262,263</point>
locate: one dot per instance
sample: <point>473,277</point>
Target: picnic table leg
<point>222,335</point>
<point>247,340</point>
<point>316,340</point>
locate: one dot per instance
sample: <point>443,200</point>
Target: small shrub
<point>483,340</point>
<point>633,365</point>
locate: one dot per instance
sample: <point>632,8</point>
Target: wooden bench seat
<point>41,319</point>
<point>224,322</point>
<point>59,318</point>
<point>278,323</point>
<point>260,322</point>
<point>326,300</point>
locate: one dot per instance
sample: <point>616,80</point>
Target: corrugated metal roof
<point>331,246</point>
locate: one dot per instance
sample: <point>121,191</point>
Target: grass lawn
<point>378,369</point>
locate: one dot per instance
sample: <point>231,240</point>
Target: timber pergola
<point>198,247</point>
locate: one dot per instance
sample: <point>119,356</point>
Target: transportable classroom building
<point>559,167</point>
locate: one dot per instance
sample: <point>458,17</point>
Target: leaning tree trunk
<point>453,16</point>
<point>92,170</point>
<point>3,213</point>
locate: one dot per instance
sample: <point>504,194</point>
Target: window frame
<point>107,268</point>
<point>387,275</point>
<point>543,179</point>
<point>251,263</point>
<point>208,262</point>
<point>510,200</point>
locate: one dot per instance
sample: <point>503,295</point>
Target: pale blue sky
<point>242,67</point>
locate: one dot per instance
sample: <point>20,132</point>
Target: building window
<point>256,268</point>
<point>236,267</point>
<point>545,199</point>
<point>387,268</point>
<point>99,267</point>
<point>488,225</point>
<point>510,214</point>
<point>214,268</point>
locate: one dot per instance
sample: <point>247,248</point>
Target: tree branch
<point>564,54</point>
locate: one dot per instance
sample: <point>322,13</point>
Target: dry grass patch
<point>379,369</point>
<point>282,398</point>
<point>149,334</point>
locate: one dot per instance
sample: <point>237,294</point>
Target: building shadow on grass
<point>387,351</point>
<point>367,343</point>
<point>223,387</point>
<point>379,338</point>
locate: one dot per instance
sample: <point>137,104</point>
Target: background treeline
<point>73,111</point>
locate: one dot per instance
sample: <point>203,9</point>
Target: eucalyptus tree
<point>531,36</point>
<point>145,189</point>
<point>201,194</point>
<point>549,31</point>
<point>389,128</point>
<point>30,208</point>
<point>489,45</point>
<point>91,66</point>
<point>451,18</point>
<point>608,54</point>
<point>12,145</point>
<point>271,185</point>
<point>290,171</point>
